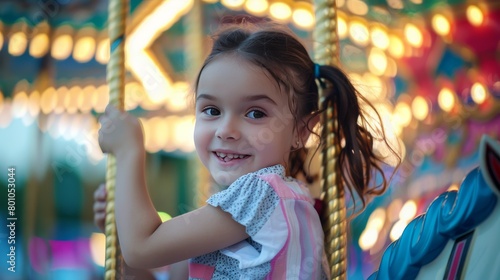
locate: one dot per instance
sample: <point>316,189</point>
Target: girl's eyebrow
<point>248,98</point>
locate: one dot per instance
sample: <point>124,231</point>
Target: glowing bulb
<point>478,93</point>
<point>408,211</point>
<point>303,17</point>
<point>233,4</point>
<point>413,35</point>
<point>446,99</point>
<point>98,248</point>
<point>256,7</point>
<point>342,27</point>
<point>377,61</point>
<point>379,38</point>
<point>402,114</point>
<point>280,10</point>
<point>474,15</point>
<point>84,49</point>
<point>419,108</point>
<point>397,230</point>
<point>357,7</point>
<point>440,24</point>
<point>396,47</point>
<point>1,40</point>
<point>61,47</point>
<point>18,43</point>
<point>368,238</point>
<point>39,45</point>
<point>359,33</point>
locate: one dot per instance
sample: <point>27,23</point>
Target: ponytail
<point>357,163</point>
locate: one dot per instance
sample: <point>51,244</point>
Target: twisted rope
<point>326,51</point>
<point>117,10</point>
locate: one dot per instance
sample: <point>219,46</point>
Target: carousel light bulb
<point>408,211</point>
<point>61,47</point>
<point>102,52</point>
<point>413,35</point>
<point>303,16</point>
<point>233,4</point>
<point>379,38</point>
<point>419,108</point>
<point>441,24</point>
<point>39,45</point>
<point>357,7</point>
<point>359,33</point>
<point>342,27</point>
<point>478,93</point>
<point>377,61</point>
<point>1,40</point>
<point>280,10</point>
<point>446,99</point>
<point>474,15</point>
<point>402,114</point>
<point>396,46</point>
<point>84,49</point>
<point>18,43</point>
<point>256,7</point>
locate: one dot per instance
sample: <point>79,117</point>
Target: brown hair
<point>278,51</point>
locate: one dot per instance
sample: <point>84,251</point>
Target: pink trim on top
<point>278,264</point>
<point>201,271</point>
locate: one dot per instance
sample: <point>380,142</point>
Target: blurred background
<point>431,68</point>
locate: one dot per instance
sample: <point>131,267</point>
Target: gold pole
<point>117,14</point>
<point>326,52</point>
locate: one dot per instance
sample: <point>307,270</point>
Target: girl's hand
<point>120,132</point>
<point>100,206</point>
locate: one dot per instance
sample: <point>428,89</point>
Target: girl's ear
<point>306,127</point>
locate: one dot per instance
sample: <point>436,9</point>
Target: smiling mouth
<point>229,157</point>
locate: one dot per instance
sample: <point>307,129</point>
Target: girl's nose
<point>228,130</point>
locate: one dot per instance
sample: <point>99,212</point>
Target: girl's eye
<point>211,111</point>
<point>256,114</point>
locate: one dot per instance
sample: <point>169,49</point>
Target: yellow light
<point>475,15</point>
<point>397,230</point>
<point>357,7</point>
<point>61,47</point>
<point>39,45</point>
<point>368,238</point>
<point>256,7</point>
<point>84,49</point>
<point>402,114</point>
<point>1,100</point>
<point>396,47</point>
<point>280,11</point>
<point>478,93</point>
<point>18,43</point>
<point>342,27</point>
<point>379,38</point>
<point>98,248</point>
<point>359,33</point>
<point>101,98</point>
<point>48,100</point>
<point>446,99</point>
<point>440,24</point>
<point>453,187</point>
<point>413,35</point>
<point>60,97</point>
<point>392,68</point>
<point>303,15</point>
<point>102,52</point>
<point>377,219</point>
<point>419,108</point>
<point>340,3</point>
<point>233,4</point>
<point>377,61</point>
<point>395,4</point>
<point>408,211</point>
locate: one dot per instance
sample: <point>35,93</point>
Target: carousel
<point>431,68</point>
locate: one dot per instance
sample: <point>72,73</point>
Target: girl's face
<point>243,121</point>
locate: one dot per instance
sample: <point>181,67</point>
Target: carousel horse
<point>458,236</point>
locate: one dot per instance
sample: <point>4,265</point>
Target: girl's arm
<point>145,241</point>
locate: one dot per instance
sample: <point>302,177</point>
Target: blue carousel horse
<point>459,235</point>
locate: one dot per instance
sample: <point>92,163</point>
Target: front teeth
<point>228,157</point>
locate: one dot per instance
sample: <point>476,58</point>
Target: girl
<point>256,104</point>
